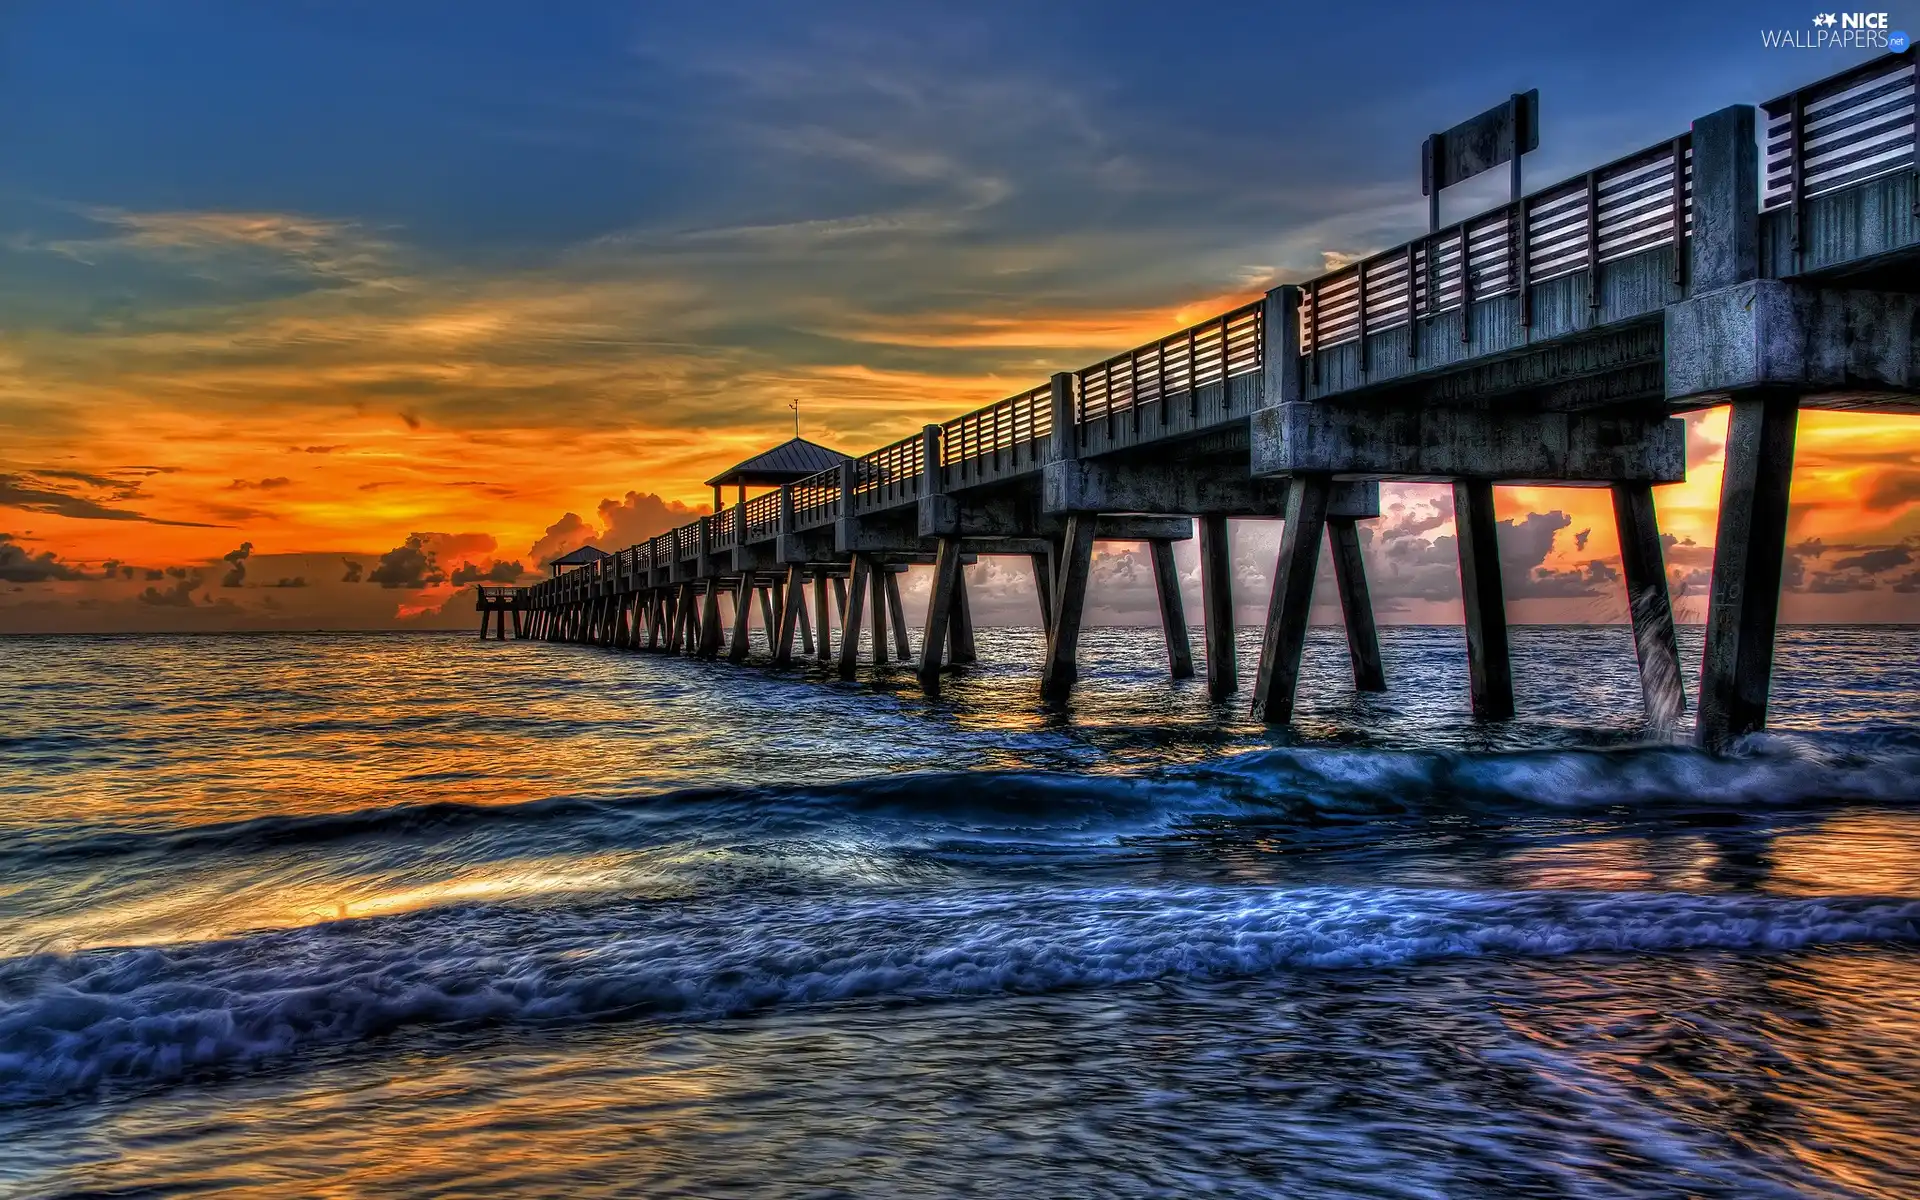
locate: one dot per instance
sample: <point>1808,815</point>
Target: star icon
<point>1827,19</point>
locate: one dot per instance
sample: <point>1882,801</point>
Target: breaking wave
<point>69,1024</point>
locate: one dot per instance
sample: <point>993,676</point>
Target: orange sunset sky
<point>302,327</point>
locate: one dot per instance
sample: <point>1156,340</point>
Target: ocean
<point>412,914</point>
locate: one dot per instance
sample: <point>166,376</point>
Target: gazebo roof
<point>791,460</point>
<point>580,557</point>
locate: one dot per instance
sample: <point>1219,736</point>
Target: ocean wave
<point>1304,785</point>
<point>69,1024</point>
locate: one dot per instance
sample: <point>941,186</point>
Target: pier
<point>1766,258</point>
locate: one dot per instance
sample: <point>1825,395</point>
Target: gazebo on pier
<point>789,462</point>
<point>573,559</point>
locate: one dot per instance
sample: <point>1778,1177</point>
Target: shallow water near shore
<point>422,915</point>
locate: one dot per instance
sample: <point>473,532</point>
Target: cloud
<point>296,581</point>
<point>258,485</point>
<point>236,575</point>
<point>639,516</point>
<point>567,534</point>
<point>409,565</point>
<point>499,572</point>
<point>17,565</point>
<point>353,571</point>
<point>179,595</point>
<point>36,494</point>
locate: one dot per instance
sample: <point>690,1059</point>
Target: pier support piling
<point>1749,555</point>
<point>1648,603</point>
<point>896,613</point>
<point>1173,611</point>
<point>1216,607</point>
<point>1356,604</point>
<point>1062,667</point>
<point>960,647</point>
<point>792,607</point>
<point>877,601</point>
<point>742,610</point>
<point>1286,634</point>
<point>1043,588</point>
<point>940,607</point>
<point>710,635</point>
<point>853,600</point>
<point>1489,662</point>
<point>799,602</point>
<point>823,645</point>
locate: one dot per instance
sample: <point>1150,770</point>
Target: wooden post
<point>1062,667</point>
<point>960,647</point>
<point>1216,607</point>
<point>1286,634</point>
<point>1173,612</point>
<point>792,607</point>
<point>1043,588</point>
<point>742,610</point>
<point>823,645</point>
<point>1356,605</point>
<point>897,614</point>
<point>878,601</point>
<point>855,600</point>
<point>940,597</point>
<point>1749,557</point>
<point>1489,664</point>
<point>1646,573</point>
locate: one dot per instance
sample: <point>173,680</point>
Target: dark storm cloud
<point>411,564</point>
<point>236,561</point>
<point>18,565</point>
<point>353,571</point>
<point>34,493</point>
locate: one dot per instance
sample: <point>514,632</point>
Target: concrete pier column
<point>800,604</point>
<point>1489,663</point>
<point>485,616</point>
<point>742,611</point>
<point>877,601</point>
<point>1749,554</point>
<point>1647,601</point>
<point>898,616</point>
<point>1173,611</point>
<point>822,645</point>
<point>853,602</point>
<point>1062,666</point>
<point>770,603</point>
<point>1216,607</point>
<point>960,647</point>
<point>1286,635</point>
<point>793,606</point>
<point>1043,588</point>
<point>940,605</point>
<point>710,635</point>
<point>1356,605</point>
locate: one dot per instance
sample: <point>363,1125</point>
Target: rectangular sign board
<point>1481,143</point>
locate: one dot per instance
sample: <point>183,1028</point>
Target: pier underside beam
<point>1179,489</point>
<point>1489,663</point>
<point>1356,605</point>
<point>1749,553</point>
<point>1647,601</point>
<point>1173,611</point>
<point>1216,607</point>
<point>1286,633</point>
<point>1437,443</point>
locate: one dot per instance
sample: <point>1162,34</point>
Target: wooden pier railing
<point>1855,128</point>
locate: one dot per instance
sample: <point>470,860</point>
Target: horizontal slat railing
<point>1848,129</point>
<point>888,476</point>
<point>1211,352</point>
<point>762,517</point>
<point>687,542</point>
<point>1000,438</point>
<point>1624,208</point>
<point>816,500</point>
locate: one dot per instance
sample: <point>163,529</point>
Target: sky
<point>312,315</point>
